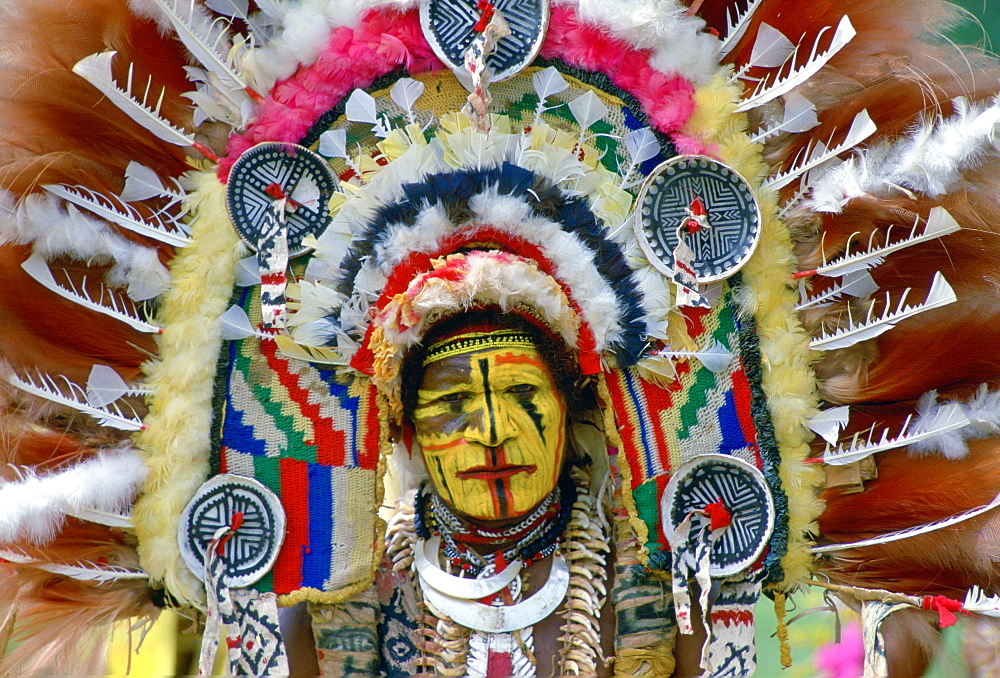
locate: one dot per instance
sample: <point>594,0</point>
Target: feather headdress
<point>869,147</point>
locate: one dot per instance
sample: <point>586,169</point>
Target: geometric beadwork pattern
<point>312,437</point>
<point>448,28</point>
<point>700,412</point>
<point>734,217</point>
<point>743,492</point>
<point>252,549</point>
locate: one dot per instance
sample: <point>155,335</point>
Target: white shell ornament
<point>710,205</point>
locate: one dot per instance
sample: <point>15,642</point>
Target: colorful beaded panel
<point>701,412</point>
<point>311,436</point>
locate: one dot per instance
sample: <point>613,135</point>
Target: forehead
<point>499,362</point>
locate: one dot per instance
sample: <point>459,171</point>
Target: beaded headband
<point>468,342</point>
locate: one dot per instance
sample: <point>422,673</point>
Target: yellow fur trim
<point>324,597</point>
<point>176,441</point>
<point>788,379</point>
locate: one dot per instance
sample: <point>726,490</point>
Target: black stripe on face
<point>529,407</point>
<point>501,496</point>
<point>484,369</point>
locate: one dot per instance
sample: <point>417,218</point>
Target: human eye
<point>456,397</point>
<point>522,390</point>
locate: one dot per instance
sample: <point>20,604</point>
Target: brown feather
<point>54,126</point>
<point>59,618</point>
<point>913,491</point>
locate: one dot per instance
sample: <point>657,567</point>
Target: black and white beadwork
<point>252,549</point>
<point>666,201</point>
<point>743,490</point>
<point>271,172</point>
<point>448,27</point>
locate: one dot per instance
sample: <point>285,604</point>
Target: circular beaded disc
<point>448,27</point>
<point>733,212</point>
<point>252,550</point>
<point>745,494</point>
<point>272,170</point>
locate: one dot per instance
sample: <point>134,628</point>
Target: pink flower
<point>845,659</point>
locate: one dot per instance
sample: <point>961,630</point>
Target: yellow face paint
<point>492,428</point>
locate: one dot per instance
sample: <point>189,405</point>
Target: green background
<point>986,32</point>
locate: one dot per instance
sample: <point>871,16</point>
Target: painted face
<point>492,428</point>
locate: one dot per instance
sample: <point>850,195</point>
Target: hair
<point>558,358</point>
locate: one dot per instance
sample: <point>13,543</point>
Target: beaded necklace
<point>535,536</point>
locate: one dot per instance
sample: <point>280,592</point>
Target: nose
<point>495,425</point>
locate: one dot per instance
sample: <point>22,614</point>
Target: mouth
<point>494,472</point>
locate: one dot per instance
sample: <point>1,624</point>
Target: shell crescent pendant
<point>432,576</point>
<point>506,618</point>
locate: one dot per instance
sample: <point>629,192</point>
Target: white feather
<point>929,160</point>
<point>716,358</point>
<point>333,143</point>
<point>913,531</point>
<point>641,145</point>
<point>107,304</point>
<point>34,508</point>
<point>142,183</point>
<point>737,25</point>
<point>944,420</point>
<point>125,216</point>
<point>405,93</point>
<point>939,223</point>
<point>766,91</point>
<point>105,385</point>
<point>248,272</point>
<point>234,324</point>
<point>829,423</point>
<point>982,411</point>
<point>46,387</point>
<point>55,230</point>
<point>856,284</point>
<point>79,571</point>
<point>940,294</point>
<point>799,116</point>
<point>587,109</point>
<point>96,69</point>
<point>771,48</point>
<point>818,153</point>
<point>206,38</point>
<point>977,601</point>
<point>547,82</point>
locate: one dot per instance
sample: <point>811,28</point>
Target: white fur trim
<point>34,508</point>
<point>57,230</point>
<point>679,42</point>
<point>930,159</point>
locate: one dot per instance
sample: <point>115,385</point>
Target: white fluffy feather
<point>930,159</point>
<point>57,230</point>
<point>34,508</point>
<point>983,411</point>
